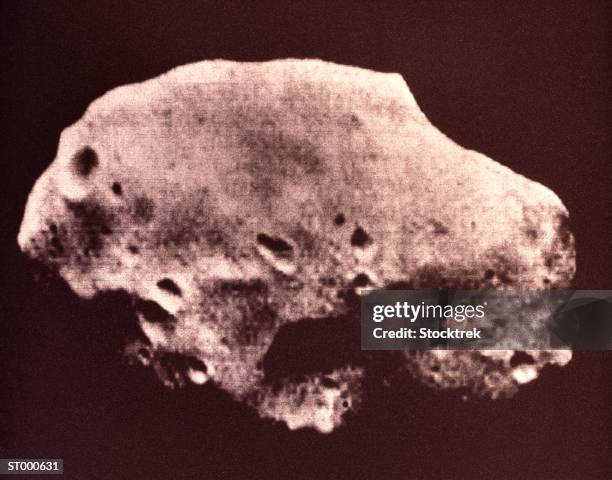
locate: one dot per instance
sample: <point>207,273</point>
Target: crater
<point>521,358</point>
<point>275,244</point>
<point>153,312</point>
<point>360,238</point>
<point>339,220</point>
<point>168,285</point>
<point>361,280</point>
<point>84,161</point>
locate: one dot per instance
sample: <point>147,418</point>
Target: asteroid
<point>243,207</point>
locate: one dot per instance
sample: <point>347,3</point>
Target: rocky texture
<point>491,373</point>
<point>233,199</point>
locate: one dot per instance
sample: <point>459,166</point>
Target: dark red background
<point>527,83</point>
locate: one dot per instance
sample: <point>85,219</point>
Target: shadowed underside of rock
<point>233,200</point>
